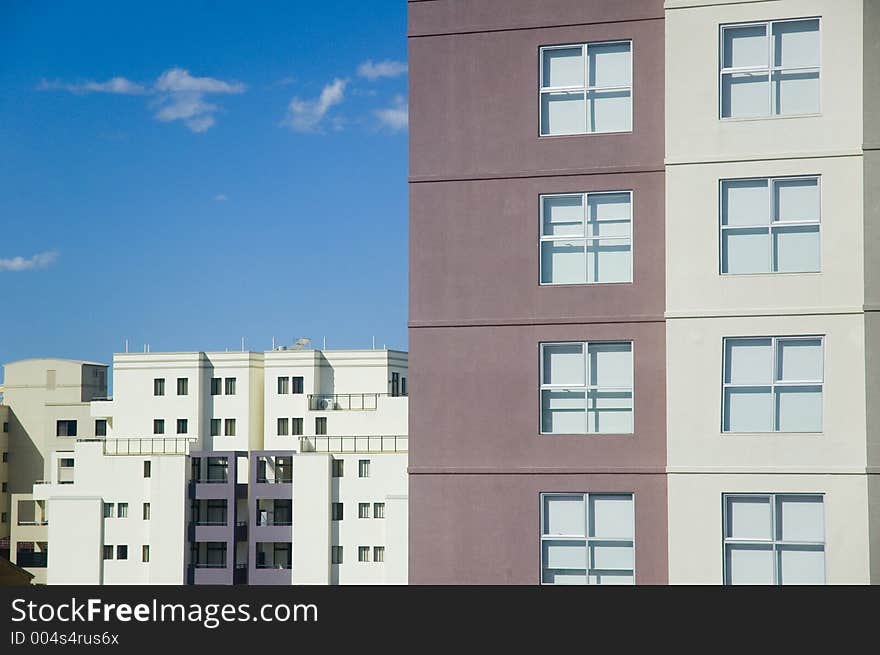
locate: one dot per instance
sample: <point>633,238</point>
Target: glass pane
<point>744,46</point>
<point>613,577</point>
<point>563,216</point>
<point>563,262</point>
<point>796,200</point>
<point>611,556</point>
<point>748,409</point>
<point>749,517</point>
<point>744,202</point>
<point>565,554</point>
<point>748,361</point>
<point>609,261</point>
<point>609,64</point>
<point>748,564</point>
<point>611,516</point>
<point>799,360</point>
<point>564,515</point>
<point>563,113</point>
<point>564,364</point>
<point>611,364</point>
<point>610,111</point>
<point>565,577</point>
<point>745,250</point>
<point>801,565</point>
<point>796,44</point>
<point>796,249</point>
<point>744,95</point>
<point>562,412</point>
<point>795,93</point>
<point>801,518</point>
<point>609,214</point>
<point>603,420</point>
<point>563,67</point>
<point>799,409</point>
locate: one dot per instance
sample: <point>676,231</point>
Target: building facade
<point>537,299</point>
<point>644,267</point>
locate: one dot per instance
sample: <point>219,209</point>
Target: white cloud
<point>117,85</point>
<point>40,260</point>
<point>395,117</point>
<point>374,70</point>
<point>306,115</point>
<point>182,98</point>
<point>220,197</point>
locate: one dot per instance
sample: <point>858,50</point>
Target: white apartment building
<point>162,492</point>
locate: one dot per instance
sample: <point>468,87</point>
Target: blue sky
<point>184,174</point>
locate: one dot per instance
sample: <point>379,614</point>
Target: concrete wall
<point>311,519</point>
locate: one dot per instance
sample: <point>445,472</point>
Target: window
<point>122,511</point>
<point>4,517</point>
<point>586,88</point>
<point>5,456</point>
<point>148,468</point>
<point>770,225</point>
<point>229,426</point>
<point>395,384</point>
<point>4,487</point>
<point>158,426</point>
<point>283,385</point>
<point>146,511</point>
<point>283,427</point>
<point>378,510</point>
<point>6,426</point>
<point>296,427</point>
<point>65,428</point>
<point>378,553</point>
<point>101,427</point>
<point>297,384</point>
<point>122,552</point>
<point>321,425</point>
<point>216,386</point>
<point>218,469</point>
<point>108,552</point>
<point>770,69</point>
<point>108,510</point>
<point>215,427</point>
<point>774,539</point>
<point>363,510</point>
<point>586,238</point>
<point>66,463</point>
<point>159,387</point>
<point>182,426</point>
<point>336,554</point>
<point>363,468</point>
<point>773,384</point>
<point>145,553</point>
<point>336,511</point>
<point>338,468</point>
<point>182,386</point>
<point>363,553</point>
<point>587,539</point>
<point>587,388</point>
<point>403,391</point>
<point>230,386</point>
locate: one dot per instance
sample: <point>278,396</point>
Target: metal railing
<point>381,444</point>
<point>145,445</point>
<point>209,565</point>
<point>31,560</point>
<point>210,523</point>
<point>280,480</point>
<point>344,401</point>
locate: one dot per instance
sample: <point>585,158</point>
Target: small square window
<point>122,511</point>
<point>158,426</point>
<point>338,467</point>
<point>229,427</point>
<point>122,552</point>
<point>145,553</point>
<point>108,552</point>
<point>108,510</point>
<point>297,384</point>
<point>363,510</point>
<point>296,426</point>
<point>283,385</point>
<point>216,386</point>
<point>378,553</point>
<point>337,512</point>
<point>363,553</point>
<point>148,468</point>
<point>182,426</point>
<point>65,428</point>
<point>159,387</point>
<point>336,554</point>
<point>215,427</point>
<point>101,427</point>
<point>182,386</point>
<point>146,513</point>
<point>230,386</point>
<point>378,510</point>
<point>363,468</point>
<point>283,429</point>
<point>320,425</point>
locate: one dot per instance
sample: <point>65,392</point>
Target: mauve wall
<point>477,311</point>
<point>485,529</point>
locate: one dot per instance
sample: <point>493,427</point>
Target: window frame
<point>586,539</point>
<point>282,426</point>
<point>774,542</point>
<point>769,69</point>
<point>771,223</point>
<point>182,386</point>
<point>587,387</point>
<point>586,88</point>
<point>158,387</point>
<point>774,383</point>
<point>586,239</point>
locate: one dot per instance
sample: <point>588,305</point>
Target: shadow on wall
<point>25,460</point>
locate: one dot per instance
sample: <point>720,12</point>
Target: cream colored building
<point>773,264</point>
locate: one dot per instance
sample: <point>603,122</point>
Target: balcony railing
<point>209,565</point>
<point>31,560</point>
<point>145,445</point>
<point>344,401</point>
<point>285,479</point>
<point>208,522</point>
<point>268,519</point>
<point>326,444</point>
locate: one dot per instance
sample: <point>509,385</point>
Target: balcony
<point>321,402</point>
<point>145,445</point>
<point>32,560</point>
<point>380,444</point>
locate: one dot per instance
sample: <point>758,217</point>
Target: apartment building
<point>47,407</point>
<point>537,292</point>
<point>773,264</point>
<point>177,486</point>
<point>4,480</point>
<point>642,314</point>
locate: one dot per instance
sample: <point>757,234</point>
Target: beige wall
<point>693,129</point>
